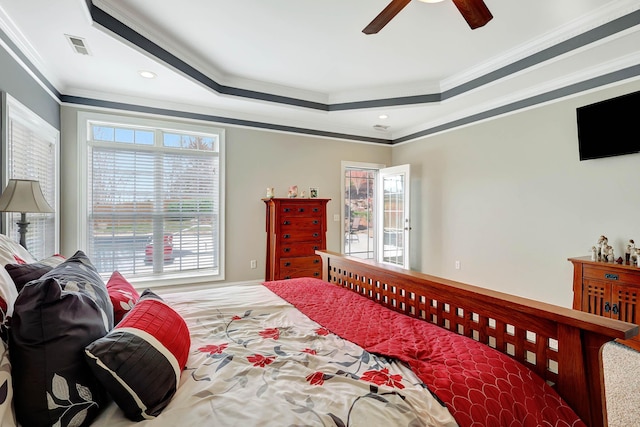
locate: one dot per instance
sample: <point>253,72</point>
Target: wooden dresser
<point>607,289</point>
<point>296,228</point>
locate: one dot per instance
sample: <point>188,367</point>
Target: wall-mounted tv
<point>609,128</point>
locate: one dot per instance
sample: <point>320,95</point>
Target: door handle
<point>607,307</point>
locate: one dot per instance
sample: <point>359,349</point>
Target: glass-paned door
<point>393,211</point>
<point>359,193</point>
<point>376,213</point>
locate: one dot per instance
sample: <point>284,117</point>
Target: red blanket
<point>479,385</point>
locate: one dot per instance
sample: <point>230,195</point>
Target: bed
<point>362,346</point>
<point>560,345</point>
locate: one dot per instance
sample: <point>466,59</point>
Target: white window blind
<point>32,153</point>
<point>153,200</point>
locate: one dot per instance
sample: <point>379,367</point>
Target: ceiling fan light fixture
<point>431,1</point>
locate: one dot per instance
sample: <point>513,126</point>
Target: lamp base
<point>22,229</point>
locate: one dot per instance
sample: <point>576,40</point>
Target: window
<point>154,197</point>
<point>31,152</point>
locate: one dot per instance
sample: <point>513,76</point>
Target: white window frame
<point>163,279</point>
<point>12,109</point>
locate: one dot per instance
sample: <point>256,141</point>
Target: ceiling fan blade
<point>475,12</point>
<point>385,16</point>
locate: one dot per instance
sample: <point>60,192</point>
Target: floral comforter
<point>255,360</point>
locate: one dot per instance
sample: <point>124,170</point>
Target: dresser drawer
<point>298,249</point>
<point>298,210</point>
<point>611,275</point>
<point>300,262</point>
<point>309,266</point>
<point>300,236</point>
<point>303,272</point>
<point>288,225</point>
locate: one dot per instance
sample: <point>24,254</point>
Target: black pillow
<point>54,318</point>
<point>21,274</point>
<point>24,273</point>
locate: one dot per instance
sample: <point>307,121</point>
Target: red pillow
<point>123,296</point>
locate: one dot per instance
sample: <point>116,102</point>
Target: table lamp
<point>23,195</point>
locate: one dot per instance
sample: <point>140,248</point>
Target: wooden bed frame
<point>563,346</point>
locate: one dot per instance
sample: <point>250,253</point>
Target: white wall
<point>510,200</point>
<point>255,160</point>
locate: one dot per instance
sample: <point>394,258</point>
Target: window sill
<point>174,280</point>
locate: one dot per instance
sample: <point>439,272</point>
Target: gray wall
<point>15,81</point>
<point>510,200</point>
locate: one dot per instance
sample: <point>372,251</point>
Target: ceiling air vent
<point>78,44</point>
<point>381,128</point>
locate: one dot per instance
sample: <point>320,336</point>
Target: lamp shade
<point>22,195</point>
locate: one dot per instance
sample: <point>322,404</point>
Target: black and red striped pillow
<point>139,362</point>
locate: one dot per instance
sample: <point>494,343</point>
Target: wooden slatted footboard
<point>561,345</point>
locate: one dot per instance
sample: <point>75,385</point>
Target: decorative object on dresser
<point>296,228</point>
<point>601,247</point>
<point>608,290</point>
<point>269,192</point>
<point>630,253</point>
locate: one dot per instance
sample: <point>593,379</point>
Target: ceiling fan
<point>475,12</point>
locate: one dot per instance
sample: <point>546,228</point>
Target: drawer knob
<point>286,236</point>
<point>287,209</point>
<point>315,248</point>
<point>316,234</point>
<point>286,223</point>
<point>287,264</point>
<point>316,261</point>
<point>316,209</point>
<point>301,210</point>
<point>287,277</point>
<point>287,249</point>
<point>316,274</point>
<point>611,276</point>
<point>315,222</point>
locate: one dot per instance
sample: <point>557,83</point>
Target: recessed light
<point>147,74</point>
<point>383,116</point>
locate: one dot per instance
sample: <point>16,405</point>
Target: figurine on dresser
<point>608,256</point>
<point>601,248</point>
<point>630,253</point>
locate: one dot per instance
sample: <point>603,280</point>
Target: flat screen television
<point>609,128</point>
